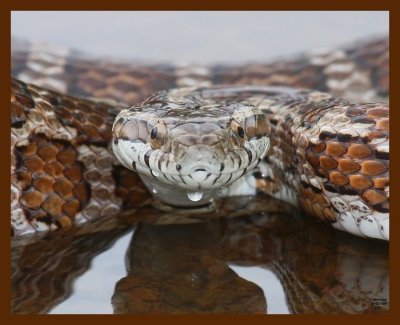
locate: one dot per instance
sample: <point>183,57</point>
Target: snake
<point>93,136</point>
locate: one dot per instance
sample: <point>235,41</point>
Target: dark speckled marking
<point>346,137</point>
<point>381,155</point>
<point>347,190</point>
<point>147,158</point>
<point>364,120</point>
<point>381,208</point>
<point>331,188</point>
<point>249,154</point>
<point>324,135</point>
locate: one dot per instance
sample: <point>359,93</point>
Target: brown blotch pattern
<point>328,162</point>
<point>338,178</point>
<point>348,165</point>
<point>359,151</point>
<point>351,162</point>
<point>43,167</point>
<point>373,167</point>
<point>360,182</point>
<point>50,171</point>
<point>335,149</point>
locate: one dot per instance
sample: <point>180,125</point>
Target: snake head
<point>181,148</point>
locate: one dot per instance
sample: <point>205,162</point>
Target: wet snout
<point>199,161</point>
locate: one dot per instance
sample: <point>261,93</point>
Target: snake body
<point>310,147</point>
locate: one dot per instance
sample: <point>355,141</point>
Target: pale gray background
<point>200,37</point>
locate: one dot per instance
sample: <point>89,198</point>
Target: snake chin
<point>196,179</point>
<point>178,196</point>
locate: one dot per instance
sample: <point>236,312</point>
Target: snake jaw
<point>184,148</point>
<point>186,169</point>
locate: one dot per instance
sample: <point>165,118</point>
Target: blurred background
<point>198,37</point>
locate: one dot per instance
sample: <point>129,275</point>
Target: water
<point>93,290</point>
<point>270,284</point>
<point>242,261</point>
<point>194,196</point>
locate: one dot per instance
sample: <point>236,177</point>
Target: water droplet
<point>194,196</point>
<point>154,190</point>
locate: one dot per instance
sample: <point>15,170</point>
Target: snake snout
<point>201,169</point>
<point>200,159</point>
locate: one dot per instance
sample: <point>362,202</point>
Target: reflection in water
<point>178,269</point>
<point>93,290</point>
<point>43,271</point>
<point>322,270</point>
<point>268,282</point>
<point>183,268</point>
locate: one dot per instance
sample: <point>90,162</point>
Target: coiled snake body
<point>263,132</point>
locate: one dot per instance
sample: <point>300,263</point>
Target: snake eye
<point>240,132</point>
<point>153,134</point>
<point>158,135</point>
<point>237,134</point>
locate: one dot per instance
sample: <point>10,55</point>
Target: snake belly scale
<point>192,144</point>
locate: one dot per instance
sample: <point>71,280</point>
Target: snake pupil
<point>154,133</point>
<point>240,131</point>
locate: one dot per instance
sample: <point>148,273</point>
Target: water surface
<point>252,255</point>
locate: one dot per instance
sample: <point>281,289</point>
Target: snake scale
<point>219,130</point>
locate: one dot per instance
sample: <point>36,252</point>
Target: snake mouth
<point>199,168</point>
<point>193,173</point>
<point>195,176</point>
